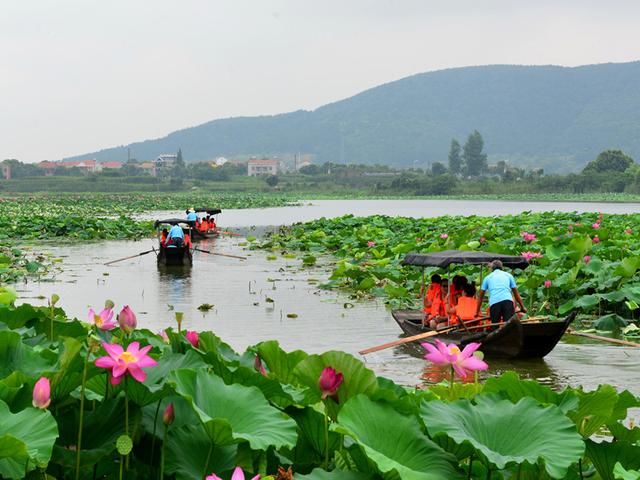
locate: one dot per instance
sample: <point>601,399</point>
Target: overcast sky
<point>81,75</point>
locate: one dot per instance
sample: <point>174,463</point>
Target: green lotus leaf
<point>188,449</point>
<point>510,386</point>
<point>232,413</point>
<point>521,432</point>
<point>36,429</point>
<point>620,473</point>
<point>610,323</point>
<point>628,267</point>
<point>357,378</point>
<point>605,455</point>
<point>394,442</point>
<point>280,363</point>
<point>319,474</point>
<point>595,409</point>
<point>7,296</point>
<point>16,356</point>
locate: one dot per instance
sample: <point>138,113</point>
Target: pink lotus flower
<point>257,364</point>
<point>193,337</point>
<point>103,320</point>
<point>595,225</point>
<point>444,236</point>
<point>42,393</point>
<point>164,336</point>
<point>531,255</point>
<point>121,362</point>
<point>547,284</point>
<point>329,382</point>
<point>127,319</point>
<point>595,239</point>
<point>628,231</point>
<point>462,362</point>
<point>371,244</point>
<point>528,237</point>
<point>169,415</point>
<point>238,474</point>
<point>586,259</point>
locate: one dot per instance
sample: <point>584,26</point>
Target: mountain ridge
<point>548,116</point>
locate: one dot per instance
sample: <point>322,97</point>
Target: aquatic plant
<point>462,362</point>
<point>211,409</point>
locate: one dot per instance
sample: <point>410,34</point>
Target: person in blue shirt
<point>502,291</point>
<point>192,216</point>
<point>175,237</point>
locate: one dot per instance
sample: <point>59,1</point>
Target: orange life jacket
<point>466,308</point>
<point>434,290</point>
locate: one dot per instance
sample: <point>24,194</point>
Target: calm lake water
<point>325,320</point>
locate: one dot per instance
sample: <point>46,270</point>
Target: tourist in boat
<point>187,240</point>
<point>455,292</point>
<point>175,238</point>
<point>163,237</point>
<point>502,292</point>
<point>437,314</point>
<point>466,307</point>
<point>204,226</point>
<point>434,288</point>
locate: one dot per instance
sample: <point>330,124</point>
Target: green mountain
<point>553,117</point>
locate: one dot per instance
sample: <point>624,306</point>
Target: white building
<point>262,167</point>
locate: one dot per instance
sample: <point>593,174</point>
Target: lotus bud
<point>547,284</point>
<point>168,416</point>
<point>54,299</point>
<point>179,316</point>
<point>42,393</point>
<point>127,319</point>
<point>193,338</point>
<point>108,304</point>
<point>595,239</point>
<point>164,336</point>
<point>586,259</point>
<point>329,382</point>
<point>257,364</point>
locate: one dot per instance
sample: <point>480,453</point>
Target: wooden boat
<point>173,255</point>
<point>197,234</point>
<point>514,339</point>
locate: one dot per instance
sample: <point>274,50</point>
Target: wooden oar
<point>220,254</point>
<point>230,233</point>
<point>413,338</point>
<point>132,256</point>
<point>604,339</point>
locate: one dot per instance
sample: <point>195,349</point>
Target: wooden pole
<point>604,339</point>
<point>219,254</point>
<point>132,256</point>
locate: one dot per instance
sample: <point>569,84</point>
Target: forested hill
<point>554,117</point>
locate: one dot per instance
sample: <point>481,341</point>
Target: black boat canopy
<point>171,221</point>
<point>209,211</point>
<point>446,258</point>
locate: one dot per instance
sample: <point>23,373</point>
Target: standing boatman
<point>502,291</point>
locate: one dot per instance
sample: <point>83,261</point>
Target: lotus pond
<point>107,400</point>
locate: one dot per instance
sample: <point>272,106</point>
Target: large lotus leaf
<point>280,363</point>
<point>319,474</point>
<point>357,378</point>
<point>609,323</point>
<point>16,356</point>
<point>605,455</point>
<point>10,386</point>
<point>7,295</point>
<point>620,433</point>
<point>188,449</point>
<point>35,428</point>
<point>512,387</point>
<point>68,369</point>
<point>578,247</point>
<point>628,267</point>
<point>13,457</point>
<point>595,409</point>
<point>152,389</point>
<point>394,442</point>
<point>310,449</point>
<point>622,473</point>
<point>213,346</point>
<point>232,413</point>
<point>506,433</point>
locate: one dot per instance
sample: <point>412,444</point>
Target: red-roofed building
<point>48,167</point>
<point>114,165</point>
<point>257,167</point>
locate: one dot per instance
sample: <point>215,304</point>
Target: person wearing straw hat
<point>502,291</point>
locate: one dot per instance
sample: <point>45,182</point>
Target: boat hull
<point>512,340</point>
<point>175,256</point>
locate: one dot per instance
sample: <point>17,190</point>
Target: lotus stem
<point>470,466</point>
<point>326,439</point>
<point>164,441</point>
<point>155,424</point>
<point>451,382</point>
<point>126,415</point>
<point>81,423</point>
<point>206,463</point>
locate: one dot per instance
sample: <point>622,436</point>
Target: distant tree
<point>475,160</point>
<point>179,169</point>
<point>438,168</point>
<point>311,170</point>
<point>272,180</point>
<point>455,161</point>
<point>609,161</point>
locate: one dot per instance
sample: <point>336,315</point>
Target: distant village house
<point>257,167</point>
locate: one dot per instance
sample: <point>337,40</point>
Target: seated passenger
<point>187,240</point>
<point>435,288</point>
<point>455,292</point>
<point>437,314</point>
<point>467,305</point>
<point>163,237</point>
<point>204,226</point>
